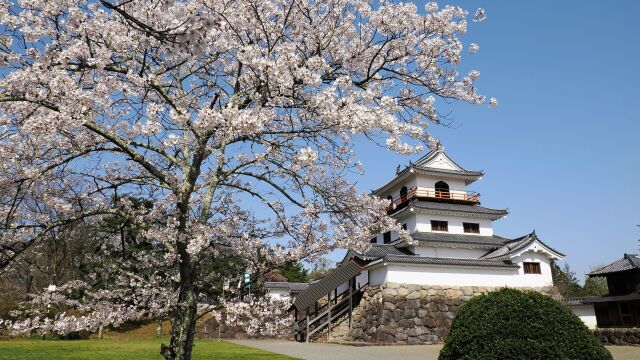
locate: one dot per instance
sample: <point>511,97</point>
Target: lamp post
<point>50,289</point>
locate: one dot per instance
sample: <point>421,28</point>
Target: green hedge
<point>514,324</point>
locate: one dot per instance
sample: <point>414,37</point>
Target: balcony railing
<point>432,194</point>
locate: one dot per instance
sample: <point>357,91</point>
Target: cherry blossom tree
<point>236,118</point>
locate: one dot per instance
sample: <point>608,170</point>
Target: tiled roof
<point>377,251</point>
<point>408,259</point>
<point>587,300</point>
<point>319,289</point>
<point>628,262</point>
<point>601,299</point>
<point>439,149</point>
<point>432,237</point>
<point>465,173</point>
<point>419,166</point>
<point>514,246</point>
<point>469,175</point>
<point>291,286</point>
<point>458,209</point>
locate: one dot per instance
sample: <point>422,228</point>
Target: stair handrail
<point>302,323</point>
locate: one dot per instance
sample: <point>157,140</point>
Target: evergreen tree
<point>294,272</point>
<point>595,286</point>
<point>565,280</point>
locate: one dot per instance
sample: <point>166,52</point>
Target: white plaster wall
<point>453,276</point>
<point>278,294</point>
<point>410,182</point>
<point>586,313</point>
<point>441,162</point>
<point>411,222</point>
<point>361,280</point>
<point>446,252</point>
<point>423,223</point>
<point>378,275</point>
<point>427,181</point>
<point>542,279</point>
<point>411,227</point>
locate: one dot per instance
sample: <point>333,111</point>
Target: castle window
<point>403,194</point>
<point>404,226</point>
<point>532,268</point>
<point>374,240</point>
<point>437,225</point>
<point>442,190</point>
<point>386,237</point>
<point>471,228</point>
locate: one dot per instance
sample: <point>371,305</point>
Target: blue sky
<point>561,151</point>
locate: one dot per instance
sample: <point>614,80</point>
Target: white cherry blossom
<point>235,119</point>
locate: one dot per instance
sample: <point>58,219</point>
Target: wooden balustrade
<point>434,194</point>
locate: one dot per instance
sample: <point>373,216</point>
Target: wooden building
<point>621,306</point>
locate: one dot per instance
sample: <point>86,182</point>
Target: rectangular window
<point>437,225</point>
<point>387,237</point>
<point>531,268</point>
<point>471,228</point>
<point>374,240</point>
<point>404,226</point>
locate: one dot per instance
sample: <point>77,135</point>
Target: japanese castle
<point>452,242</point>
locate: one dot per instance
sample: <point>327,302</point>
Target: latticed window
<point>531,268</point>
<point>472,228</point>
<point>437,225</point>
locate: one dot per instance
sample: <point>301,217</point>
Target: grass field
<point>122,349</point>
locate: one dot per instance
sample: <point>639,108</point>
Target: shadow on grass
<point>122,349</point>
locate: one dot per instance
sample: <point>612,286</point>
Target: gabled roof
<point>493,241</point>
<point>426,165</point>
<point>425,260</point>
<point>437,153</point>
<point>291,286</point>
<point>455,209</point>
<point>628,262</point>
<point>514,247</point>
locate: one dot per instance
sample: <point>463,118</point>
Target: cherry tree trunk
<point>183,317</point>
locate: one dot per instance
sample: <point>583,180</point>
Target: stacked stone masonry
<point>407,314</point>
<point>618,336</point>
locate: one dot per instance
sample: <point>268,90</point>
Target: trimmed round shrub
<point>514,324</point>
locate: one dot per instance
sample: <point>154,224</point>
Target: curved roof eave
<point>453,209</point>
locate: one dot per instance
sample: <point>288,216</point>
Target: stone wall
<point>407,314</point>
<point>618,336</point>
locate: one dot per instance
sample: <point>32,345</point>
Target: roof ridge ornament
<point>439,146</point>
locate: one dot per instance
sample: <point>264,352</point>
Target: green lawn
<point>122,349</point>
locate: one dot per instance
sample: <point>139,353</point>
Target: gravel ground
<point>320,351</point>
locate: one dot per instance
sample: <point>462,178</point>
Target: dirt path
<point>320,351</point>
